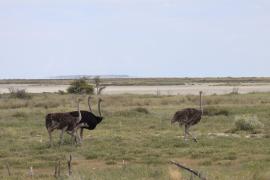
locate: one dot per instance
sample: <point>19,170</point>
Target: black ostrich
<point>188,117</point>
<point>89,119</point>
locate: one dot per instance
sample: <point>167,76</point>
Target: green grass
<point>136,129</point>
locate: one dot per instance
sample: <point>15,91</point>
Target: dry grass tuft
<point>174,174</point>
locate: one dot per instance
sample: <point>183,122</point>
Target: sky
<point>141,38</point>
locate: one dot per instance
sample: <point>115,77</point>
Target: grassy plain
<point>137,129</point>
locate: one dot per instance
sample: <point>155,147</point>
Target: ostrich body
<point>64,122</point>
<point>188,117</point>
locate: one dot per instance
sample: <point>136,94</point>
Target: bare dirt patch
<point>174,173</point>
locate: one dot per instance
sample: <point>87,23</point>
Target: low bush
<point>19,114</point>
<point>61,92</point>
<point>141,110</point>
<point>19,93</point>
<point>215,111</point>
<point>247,123</point>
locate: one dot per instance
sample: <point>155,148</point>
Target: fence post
<point>8,169</point>
<point>59,168</point>
<point>69,165</point>
<point>31,172</point>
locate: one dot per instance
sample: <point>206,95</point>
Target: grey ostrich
<point>64,122</point>
<point>188,117</point>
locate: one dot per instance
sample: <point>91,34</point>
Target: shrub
<point>111,162</point>
<point>141,110</point>
<point>206,163</point>
<point>61,92</point>
<point>80,86</point>
<point>19,114</point>
<point>92,156</point>
<point>215,111</point>
<point>19,93</point>
<point>47,104</point>
<point>247,123</point>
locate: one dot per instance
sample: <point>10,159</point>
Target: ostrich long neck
<point>201,108</point>
<point>89,105</point>
<point>99,111</point>
<point>80,115</point>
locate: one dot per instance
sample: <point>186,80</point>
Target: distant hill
<point>90,76</point>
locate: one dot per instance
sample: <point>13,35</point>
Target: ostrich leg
<point>187,131</point>
<point>81,133</point>
<point>62,134</point>
<point>50,136</point>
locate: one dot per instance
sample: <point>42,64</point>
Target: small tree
<point>97,82</point>
<point>99,88</point>
<point>80,86</point>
